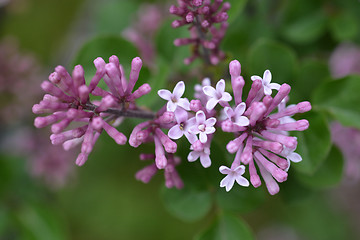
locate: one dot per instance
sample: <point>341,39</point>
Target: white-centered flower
<point>203,126</point>
<point>204,156</point>
<point>216,95</point>
<point>236,115</point>
<point>174,99</point>
<point>182,126</point>
<point>232,176</point>
<point>266,82</point>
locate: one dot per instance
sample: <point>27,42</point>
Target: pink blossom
<point>174,99</point>
<point>217,95</point>
<point>232,176</point>
<point>203,126</point>
<point>265,80</point>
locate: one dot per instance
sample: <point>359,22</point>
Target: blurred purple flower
<point>345,60</point>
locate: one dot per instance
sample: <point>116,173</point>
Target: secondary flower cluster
<point>201,15</point>
<point>68,101</point>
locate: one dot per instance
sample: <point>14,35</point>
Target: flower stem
<point>202,36</point>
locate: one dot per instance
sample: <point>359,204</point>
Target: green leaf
<point>340,98</point>
<point>313,144</point>
<point>328,174</point>
<point>188,204</point>
<point>227,227</point>
<point>311,73</point>
<point>278,58</point>
<point>39,223</point>
<point>306,29</point>
<point>240,199</point>
<point>344,26</point>
<point>105,46</point>
<point>237,7</point>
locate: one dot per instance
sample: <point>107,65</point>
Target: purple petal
<point>240,109</point>
<point>179,89</point>
<point>200,117</point>
<point>205,160</point>
<point>190,137</point>
<point>225,170</point>
<point>171,107</point>
<point>267,90</point>
<point>184,103</point>
<point>209,130</point>
<point>240,170</point>
<point>253,78</point>
<point>220,86</point>
<point>203,137</point>
<point>210,91</point>
<point>275,86</point>
<point>227,182</point>
<point>267,77</point>
<point>242,121</point>
<point>211,104</point>
<point>194,129</point>
<point>295,157</point>
<point>229,112</point>
<point>210,122</point>
<point>181,115</point>
<point>242,181</point>
<point>193,156</point>
<point>175,132</point>
<point>165,94</point>
<point>226,97</point>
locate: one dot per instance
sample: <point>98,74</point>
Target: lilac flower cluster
<point>68,101</point>
<point>201,15</point>
<point>261,136</point>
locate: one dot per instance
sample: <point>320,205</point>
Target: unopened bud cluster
<point>201,17</point>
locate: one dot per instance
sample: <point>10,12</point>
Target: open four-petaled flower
<point>174,99</point>
<point>217,95</point>
<point>232,176</point>
<point>203,126</point>
<point>266,79</point>
<point>236,115</point>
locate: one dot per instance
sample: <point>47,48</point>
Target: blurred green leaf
<point>237,7</point>
<point>311,73</point>
<point>313,144</point>
<point>344,26</point>
<point>188,204</point>
<point>39,223</point>
<point>341,99</point>
<point>227,227</point>
<point>240,199</point>
<point>272,55</point>
<point>328,174</point>
<point>306,29</point>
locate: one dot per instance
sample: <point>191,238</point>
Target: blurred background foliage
<point>102,200</point>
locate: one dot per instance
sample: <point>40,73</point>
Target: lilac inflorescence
<point>68,102</point>
<point>262,137</point>
<point>202,15</point>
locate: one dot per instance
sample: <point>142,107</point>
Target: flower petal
<point>193,156</point>
<point>267,77</point>
<point>175,132</point>
<point>179,89</point>
<point>242,181</point>
<point>184,103</point>
<point>226,97</point>
<point>171,106</point>
<point>203,137</point>
<point>210,130</point>
<point>220,86</point>
<point>225,170</point>
<point>229,112</point>
<point>227,182</point>
<point>240,109</point>
<point>211,104</point>
<point>267,90</point>
<point>210,122</point>
<point>295,157</point>
<point>205,160</point>
<point>275,86</point>
<point>200,117</point>
<point>210,91</point>
<point>181,115</point>
<point>190,137</point>
<point>165,94</point>
<point>242,121</point>
<point>255,77</point>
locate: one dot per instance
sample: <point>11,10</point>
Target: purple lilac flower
<point>68,101</point>
<point>232,176</point>
<point>203,126</point>
<point>345,60</point>
<point>202,15</point>
<point>217,95</point>
<point>264,142</point>
<point>174,99</point>
<point>265,80</point>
